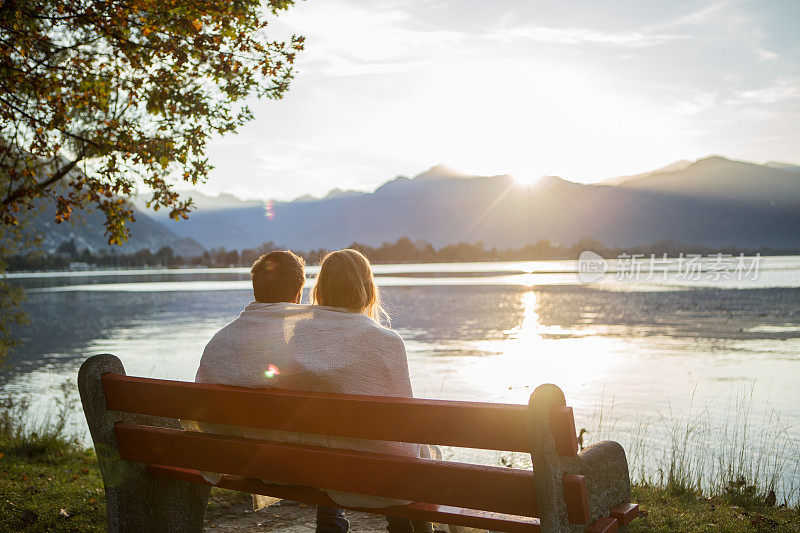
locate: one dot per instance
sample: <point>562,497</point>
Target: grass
<point>688,510</point>
<point>58,490</point>
<point>48,482</point>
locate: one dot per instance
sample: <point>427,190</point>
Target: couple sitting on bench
<point>337,344</point>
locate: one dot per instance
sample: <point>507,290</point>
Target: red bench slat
<point>604,524</point>
<point>625,513</point>
<point>562,426</point>
<point>418,511</point>
<point>497,489</point>
<point>488,426</point>
<point>576,498</point>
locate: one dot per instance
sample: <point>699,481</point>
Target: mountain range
<point>85,227</point>
<point>712,201</point>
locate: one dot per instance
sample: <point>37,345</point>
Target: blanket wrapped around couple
<point>315,349</point>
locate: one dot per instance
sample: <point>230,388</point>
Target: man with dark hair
<point>278,276</point>
<point>256,339</point>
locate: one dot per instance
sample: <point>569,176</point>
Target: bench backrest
<point>489,426</point>
<point>463,424</point>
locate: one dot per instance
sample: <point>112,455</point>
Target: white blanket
<point>309,348</point>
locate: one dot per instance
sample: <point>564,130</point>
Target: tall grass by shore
<point>23,432</point>
<point>713,451</point>
<point>48,481</point>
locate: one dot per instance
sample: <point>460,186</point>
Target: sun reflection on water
<point>534,353</point>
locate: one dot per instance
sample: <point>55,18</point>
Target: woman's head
<point>345,280</point>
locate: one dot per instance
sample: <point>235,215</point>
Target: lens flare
<point>271,371</point>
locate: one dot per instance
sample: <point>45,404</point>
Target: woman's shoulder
<point>380,331</point>
<point>358,324</point>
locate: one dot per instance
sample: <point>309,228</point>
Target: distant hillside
<point>783,166</point>
<point>677,165</point>
<point>86,228</point>
<point>722,179</point>
<point>714,201</point>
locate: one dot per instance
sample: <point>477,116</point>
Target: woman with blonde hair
<point>346,282</point>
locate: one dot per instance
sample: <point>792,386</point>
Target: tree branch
<point>59,175</point>
<point>42,123</point>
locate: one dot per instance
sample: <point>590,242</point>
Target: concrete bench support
<point>603,466</point>
<point>135,501</point>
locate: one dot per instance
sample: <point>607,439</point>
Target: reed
<point>707,450</point>
<point>28,434</point>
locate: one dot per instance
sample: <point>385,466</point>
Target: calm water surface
<point>643,355</point>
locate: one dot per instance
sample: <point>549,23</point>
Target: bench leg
<point>548,467</point>
<point>135,501</point>
<point>604,469</point>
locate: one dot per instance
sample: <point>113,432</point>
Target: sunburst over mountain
<point>713,201</point>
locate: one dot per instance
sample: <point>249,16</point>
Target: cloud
<point>711,13</point>
<point>765,55</point>
<point>783,89</point>
<point>337,65</point>
<point>696,104</point>
<point>725,20</point>
<point>577,36</point>
<point>347,39</point>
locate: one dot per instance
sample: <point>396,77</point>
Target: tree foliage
<point>100,96</point>
<point>13,241</point>
<point>96,95</point>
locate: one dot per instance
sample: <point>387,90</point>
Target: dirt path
<point>232,511</point>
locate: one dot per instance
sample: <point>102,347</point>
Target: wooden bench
<point>150,466</point>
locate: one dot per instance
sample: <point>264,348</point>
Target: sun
<point>527,180</point>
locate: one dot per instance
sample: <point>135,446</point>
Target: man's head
<point>278,276</point>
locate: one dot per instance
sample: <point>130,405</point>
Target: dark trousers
<point>332,520</point>
<point>395,524</point>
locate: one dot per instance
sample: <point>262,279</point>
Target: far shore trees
<point>98,98</point>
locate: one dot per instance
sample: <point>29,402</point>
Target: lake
<point>643,359</point>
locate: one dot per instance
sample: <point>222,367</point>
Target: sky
<point>583,90</point>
